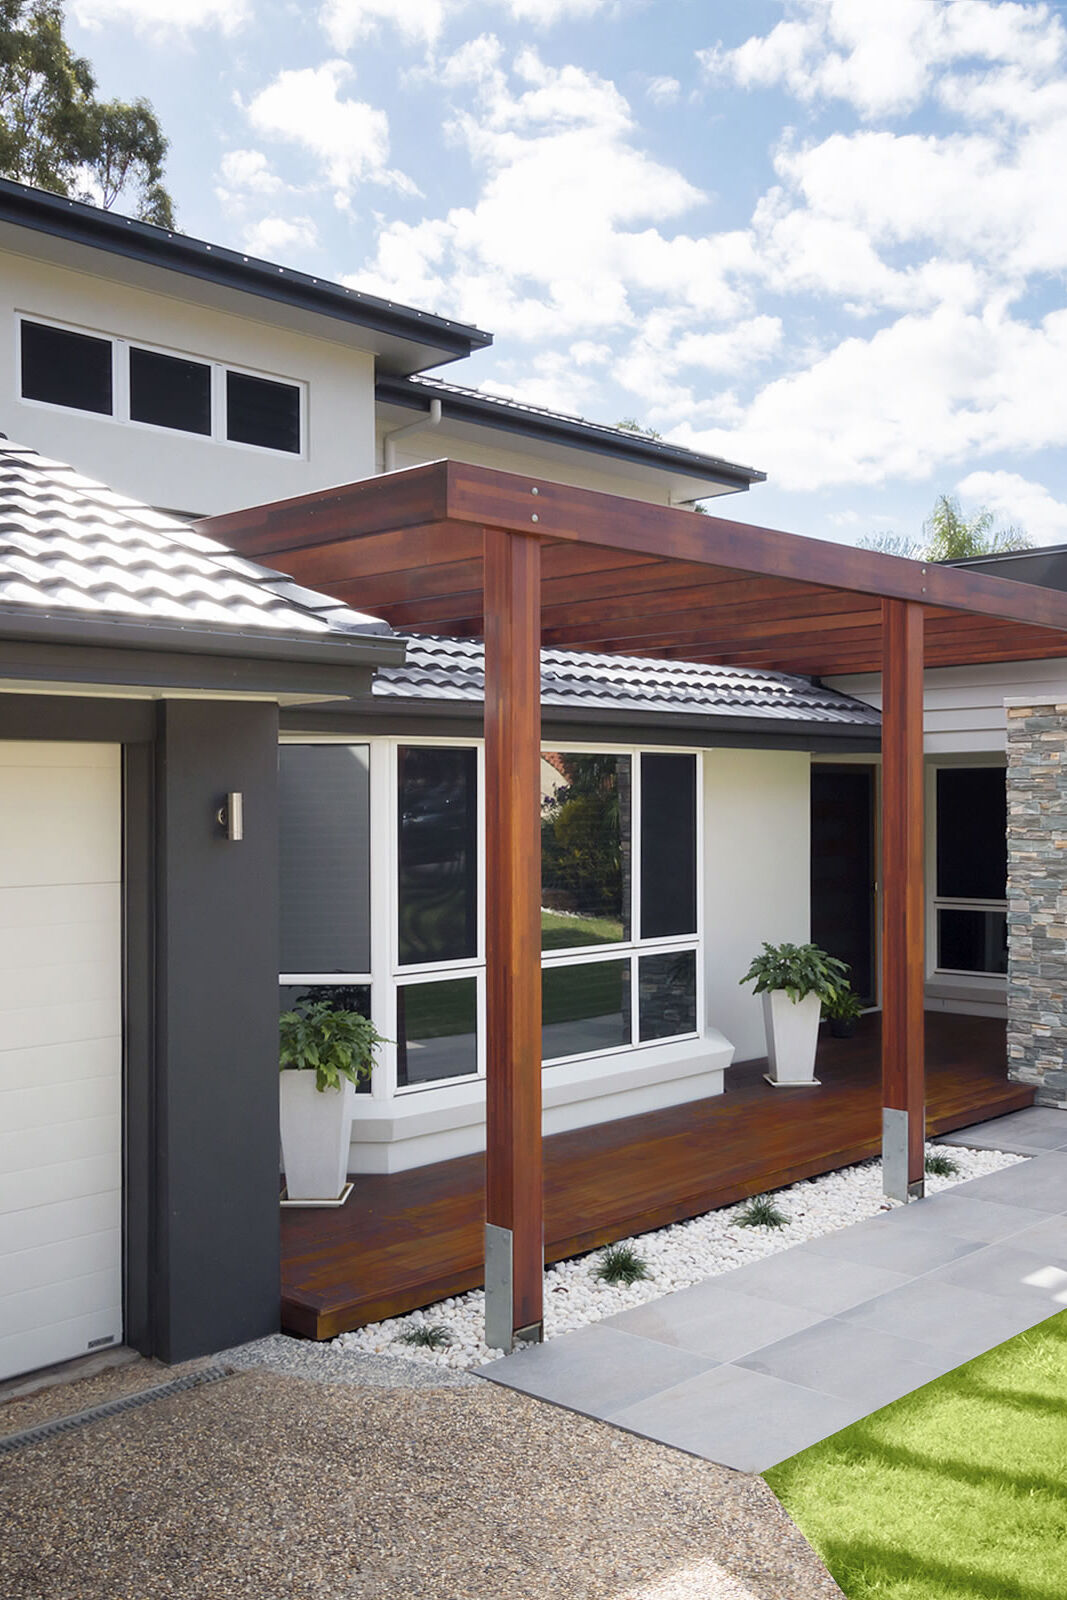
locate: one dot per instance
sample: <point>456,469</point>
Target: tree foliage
<point>56,134</point>
<point>950,536</point>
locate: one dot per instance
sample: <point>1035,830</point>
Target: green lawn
<point>957,1492</point>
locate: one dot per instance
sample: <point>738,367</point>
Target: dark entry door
<point>842,868</point>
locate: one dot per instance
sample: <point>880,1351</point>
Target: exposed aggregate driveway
<point>272,1487</point>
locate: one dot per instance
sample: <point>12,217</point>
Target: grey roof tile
<point>453,670</point>
<point>68,543</point>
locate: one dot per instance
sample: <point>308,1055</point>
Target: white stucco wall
<point>964,706</point>
<point>170,469</point>
<point>757,876</point>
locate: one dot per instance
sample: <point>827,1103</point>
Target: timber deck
<point>411,1238</point>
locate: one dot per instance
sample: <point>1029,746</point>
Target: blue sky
<point>825,238</point>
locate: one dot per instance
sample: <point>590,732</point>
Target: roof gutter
<point>353,649</point>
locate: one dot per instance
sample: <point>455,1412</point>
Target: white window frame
<point>120,390</point>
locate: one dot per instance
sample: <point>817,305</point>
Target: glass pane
<point>668,845</point>
<point>584,1007</point>
<point>436,1031</point>
<point>438,889</point>
<point>169,391</point>
<point>66,369</point>
<point>972,941</point>
<point>259,411</point>
<point>972,823</point>
<point>585,850</point>
<point>324,849</point>
<point>341,996</point>
<point>667,994</point>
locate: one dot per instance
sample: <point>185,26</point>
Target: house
<point>709,771</point>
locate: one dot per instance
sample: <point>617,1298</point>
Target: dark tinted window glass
<point>260,411</point>
<point>667,994</point>
<point>972,851</point>
<point>972,941</point>
<point>438,890</point>
<point>668,845</point>
<point>436,1031</point>
<point>584,1007</point>
<point>585,850</point>
<point>341,997</point>
<point>170,391</point>
<point>324,814</point>
<point>66,369</point>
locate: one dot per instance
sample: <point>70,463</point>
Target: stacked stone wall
<point>1037,899</point>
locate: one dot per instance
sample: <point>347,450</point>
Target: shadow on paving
<point>276,1488</point>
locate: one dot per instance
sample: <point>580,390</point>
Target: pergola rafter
<point>456,549</point>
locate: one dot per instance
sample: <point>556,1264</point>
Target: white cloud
<point>663,91</point>
<point>1015,499</point>
<point>278,237</point>
<point>543,13</point>
<point>346,21</point>
<point>163,16</point>
<point>247,172</point>
<point>348,138</point>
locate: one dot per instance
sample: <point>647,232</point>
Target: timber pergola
<point>453,549</point>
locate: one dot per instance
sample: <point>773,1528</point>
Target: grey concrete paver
<point>1025,1132</point>
<point>598,1369</point>
<point>888,1306</point>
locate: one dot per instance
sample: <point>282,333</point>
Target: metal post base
<point>499,1332</point>
<point>895,1184</point>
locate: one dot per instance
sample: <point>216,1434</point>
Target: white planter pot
<point>316,1129</point>
<point>792,1035</point>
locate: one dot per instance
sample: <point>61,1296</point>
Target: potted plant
<point>842,1012</point>
<point>795,980</point>
<point>323,1054</point>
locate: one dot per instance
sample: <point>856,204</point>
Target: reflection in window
<point>972,940</point>
<point>340,997</point>
<point>324,836</point>
<point>667,994</point>
<point>438,872</point>
<point>436,1031</point>
<point>585,850</point>
<point>972,825</point>
<point>668,845</point>
<point>584,1007</point>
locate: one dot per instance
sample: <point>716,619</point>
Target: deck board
<point>411,1238</point>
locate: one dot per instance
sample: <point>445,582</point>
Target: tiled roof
<point>453,670</point>
<point>69,544</point>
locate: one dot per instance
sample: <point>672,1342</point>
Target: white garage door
<point>60,1052</point>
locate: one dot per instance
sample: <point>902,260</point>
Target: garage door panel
<point>58,1063</point>
<point>60,1051</point>
<point>67,1180</point>
<point>67,1259</point>
<point>52,1146</point>
<point>35,1226</point>
<point>57,905</point>
<point>43,1346</point>
<point>59,1024</point>
<point>59,831</point>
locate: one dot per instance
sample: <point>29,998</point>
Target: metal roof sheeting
<point>453,670</point>
<point>70,544</point>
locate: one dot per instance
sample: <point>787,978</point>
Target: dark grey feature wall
<point>216,1111</point>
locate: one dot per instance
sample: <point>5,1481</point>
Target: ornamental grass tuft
<point>621,1263</point>
<point>426,1335</point>
<point>940,1165</point>
<point>762,1212</point>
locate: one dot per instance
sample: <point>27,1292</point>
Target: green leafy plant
<point>426,1336</point>
<point>621,1263</point>
<point>940,1165</point>
<point>332,1044</point>
<point>799,969</point>
<point>762,1212</point>
<point>845,1006</point>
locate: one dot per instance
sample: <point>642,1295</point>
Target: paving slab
<point>803,1343</point>
<point>1025,1132</point>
